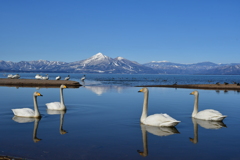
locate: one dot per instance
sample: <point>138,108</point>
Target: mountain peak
<point>119,58</point>
<point>98,56</point>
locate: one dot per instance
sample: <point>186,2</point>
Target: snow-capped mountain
<point>40,65</point>
<point>100,63</point>
<point>177,68</point>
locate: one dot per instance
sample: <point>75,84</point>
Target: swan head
<point>37,94</point>
<point>195,93</point>
<point>143,90</point>
<point>63,86</point>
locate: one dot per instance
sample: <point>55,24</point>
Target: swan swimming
<point>162,120</point>
<point>207,114</point>
<point>28,112</point>
<point>58,105</point>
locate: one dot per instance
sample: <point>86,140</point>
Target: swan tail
<point>13,110</point>
<point>170,124</point>
<point>218,118</point>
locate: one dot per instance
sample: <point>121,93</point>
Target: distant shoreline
<point>37,83</point>
<point>200,86</point>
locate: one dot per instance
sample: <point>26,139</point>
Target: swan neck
<point>195,109</point>
<point>62,99</point>
<point>37,114</point>
<point>145,106</point>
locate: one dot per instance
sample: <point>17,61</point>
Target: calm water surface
<point>102,122</point>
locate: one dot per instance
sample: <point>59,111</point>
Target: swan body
<point>161,120</point>
<point>45,78</point>
<point>9,76</point>
<point>58,105</point>
<point>208,114</point>
<point>83,78</point>
<point>16,76</point>
<point>38,76</point>
<point>67,78</point>
<point>58,77</point>
<point>27,112</point>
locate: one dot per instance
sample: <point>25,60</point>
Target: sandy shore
<point>37,83</point>
<point>200,86</point>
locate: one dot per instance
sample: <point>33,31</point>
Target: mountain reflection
<point>206,125</point>
<point>27,120</point>
<point>99,90</point>
<point>62,113</point>
<point>158,131</point>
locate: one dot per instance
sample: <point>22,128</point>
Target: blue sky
<point>181,31</point>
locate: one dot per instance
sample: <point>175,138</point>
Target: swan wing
<point>162,120</point>
<point>210,114</point>
<point>53,105</point>
<point>24,112</point>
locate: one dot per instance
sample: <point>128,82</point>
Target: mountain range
<point>100,63</point>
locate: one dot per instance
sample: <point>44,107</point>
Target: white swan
<point>58,105</point>
<point>161,120</point>
<point>28,112</point>
<point>38,76</point>
<point>67,78</point>
<point>10,76</point>
<point>208,114</point>
<point>58,77</point>
<point>45,78</point>
<point>16,76</point>
<point>83,78</point>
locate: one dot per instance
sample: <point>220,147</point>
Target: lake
<point>102,120</point>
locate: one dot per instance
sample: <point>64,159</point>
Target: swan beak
<point>140,90</point>
<point>191,93</point>
<point>39,94</point>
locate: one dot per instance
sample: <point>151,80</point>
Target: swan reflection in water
<point>158,131</point>
<point>53,112</point>
<point>206,125</point>
<point>27,120</point>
